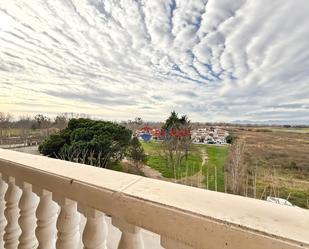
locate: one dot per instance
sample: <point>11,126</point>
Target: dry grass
<point>282,163</point>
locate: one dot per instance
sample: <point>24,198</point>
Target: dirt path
<point>194,180</point>
<point>204,157</point>
<point>197,180</point>
<point>145,169</point>
<point>152,173</point>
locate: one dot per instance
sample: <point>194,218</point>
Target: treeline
<point>139,123</point>
<point>38,121</point>
<point>43,121</point>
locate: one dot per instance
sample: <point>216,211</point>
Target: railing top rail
<point>194,216</point>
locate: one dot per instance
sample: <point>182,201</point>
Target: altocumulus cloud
<point>214,60</point>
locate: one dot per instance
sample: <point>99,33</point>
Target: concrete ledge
<point>194,217</point>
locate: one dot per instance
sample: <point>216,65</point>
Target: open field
<point>293,130</point>
<point>281,160</point>
<point>205,162</point>
<point>12,132</point>
<point>17,132</point>
<point>279,156</point>
<point>217,156</point>
<point>157,161</point>
<point>16,137</point>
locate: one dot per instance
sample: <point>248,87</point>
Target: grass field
<point>293,130</point>
<point>12,132</point>
<point>191,167</point>
<point>17,132</point>
<point>282,162</point>
<point>217,156</point>
<point>156,161</point>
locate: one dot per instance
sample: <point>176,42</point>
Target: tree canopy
<point>175,122</point>
<point>177,141</point>
<point>136,152</point>
<point>88,141</point>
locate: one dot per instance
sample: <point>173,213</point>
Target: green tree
<point>88,141</point>
<point>136,152</point>
<point>52,145</point>
<point>174,122</point>
<point>177,141</point>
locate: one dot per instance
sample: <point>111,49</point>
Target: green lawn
<point>156,161</point>
<point>151,147</point>
<point>217,156</point>
<point>191,167</point>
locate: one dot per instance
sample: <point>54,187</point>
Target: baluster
<point>131,235</point>
<point>3,188</point>
<point>12,230</point>
<point>27,220</point>
<point>68,225</point>
<point>46,214</point>
<point>82,225</point>
<point>95,232</point>
<point>169,243</point>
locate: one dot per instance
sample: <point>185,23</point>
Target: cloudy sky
<point>215,60</point>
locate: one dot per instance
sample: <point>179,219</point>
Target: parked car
<point>279,201</point>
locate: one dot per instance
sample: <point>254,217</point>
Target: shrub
<point>52,145</point>
<point>88,141</point>
<point>136,152</point>
<point>231,138</point>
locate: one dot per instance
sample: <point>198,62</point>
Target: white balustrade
<point>68,225</point>
<point>27,220</point>
<point>46,214</point>
<point>3,188</point>
<point>12,230</point>
<point>95,231</point>
<point>82,225</point>
<point>183,217</point>
<point>131,235</point>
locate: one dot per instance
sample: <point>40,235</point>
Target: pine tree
<point>136,152</point>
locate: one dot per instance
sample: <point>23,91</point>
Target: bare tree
<point>24,124</point>
<point>42,121</point>
<point>5,119</point>
<point>236,168</point>
<point>254,181</point>
<point>61,121</point>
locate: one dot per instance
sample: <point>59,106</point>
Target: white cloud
<point>213,60</point>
